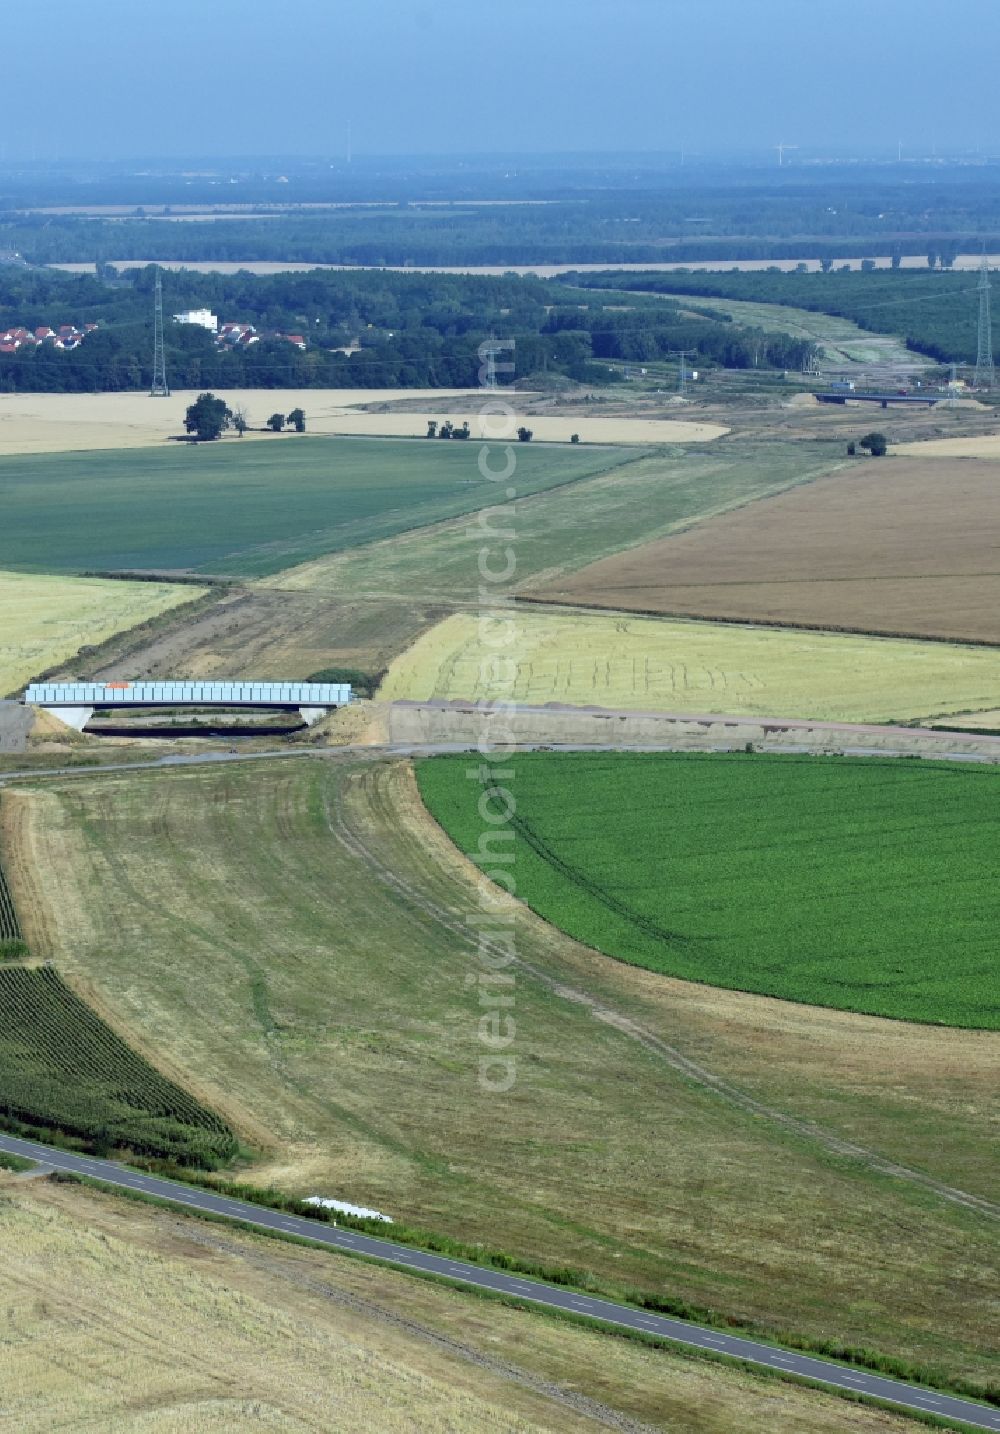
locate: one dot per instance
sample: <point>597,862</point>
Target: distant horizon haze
<point>714,78</point>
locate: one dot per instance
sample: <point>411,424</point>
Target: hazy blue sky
<point>108,78</point>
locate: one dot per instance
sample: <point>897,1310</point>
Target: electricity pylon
<point>490,352</point>
<point>985,377</point>
<point>160,388</point>
<point>682,374</point>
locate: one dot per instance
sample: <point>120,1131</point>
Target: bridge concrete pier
<point>75,717</point>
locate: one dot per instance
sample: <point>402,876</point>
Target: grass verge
<point>15,1163</point>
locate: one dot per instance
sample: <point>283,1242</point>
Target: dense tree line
<point>556,234</point>
<point>364,330</point>
<point>934,313</point>
<point>597,209</point>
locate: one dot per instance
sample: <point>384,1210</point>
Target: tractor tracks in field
<point>278,1268</point>
<point>576,878</point>
<point>347,833</point>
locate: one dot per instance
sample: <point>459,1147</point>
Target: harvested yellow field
<point>121,1317</point>
<point>65,422</point>
<point>987,445</point>
<point>45,620</point>
<point>68,422</point>
<point>105,1333</point>
<point>547,428</point>
<point>619,661</point>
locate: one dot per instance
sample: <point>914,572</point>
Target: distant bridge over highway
<point>75,702</point>
<point>849,395</point>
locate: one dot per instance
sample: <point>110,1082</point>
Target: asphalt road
<point>432,749</point>
<point>907,1396</point>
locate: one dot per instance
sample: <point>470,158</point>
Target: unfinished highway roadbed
<point>456,723</point>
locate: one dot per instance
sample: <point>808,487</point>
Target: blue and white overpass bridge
<point>75,702</point>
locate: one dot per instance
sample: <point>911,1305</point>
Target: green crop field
<point>11,939</point>
<point>63,1069</point>
<point>560,532</point>
<point>250,508</point>
<point>886,871</point>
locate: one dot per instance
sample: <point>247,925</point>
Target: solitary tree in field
<point>208,417</point>
<point>276,422</point>
<point>432,428</point>
<point>297,419</point>
<point>525,435</point>
<point>874,443</point>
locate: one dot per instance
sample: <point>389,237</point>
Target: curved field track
<point>307,954</point>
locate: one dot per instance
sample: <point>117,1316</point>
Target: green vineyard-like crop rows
<point>11,940</point>
<point>864,884</point>
<point>62,1069</point>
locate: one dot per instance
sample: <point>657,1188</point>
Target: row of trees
<point>209,417</point>
<point>461,431</point>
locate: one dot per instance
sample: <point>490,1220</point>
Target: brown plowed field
<point>901,545</point>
